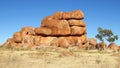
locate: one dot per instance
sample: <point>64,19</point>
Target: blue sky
<point>15,14</point>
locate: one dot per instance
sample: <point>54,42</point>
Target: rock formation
<point>102,46</point>
<point>92,43</point>
<point>113,46</point>
<point>62,29</point>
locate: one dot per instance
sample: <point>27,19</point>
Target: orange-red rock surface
<point>62,29</point>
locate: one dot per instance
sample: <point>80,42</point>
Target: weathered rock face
<point>113,46</point>
<point>57,27</point>
<point>92,43</point>
<point>62,29</point>
<point>76,30</point>
<point>43,31</point>
<point>17,37</point>
<point>77,14</point>
<point>80,23</point>
<point>27,31</point>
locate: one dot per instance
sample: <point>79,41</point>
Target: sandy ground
<point>58,59</point>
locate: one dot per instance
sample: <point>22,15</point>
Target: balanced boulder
<point>73,22</point>
<point>77,14</point>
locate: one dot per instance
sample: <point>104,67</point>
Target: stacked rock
<point>62,29</point>
<point>63,24</point>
